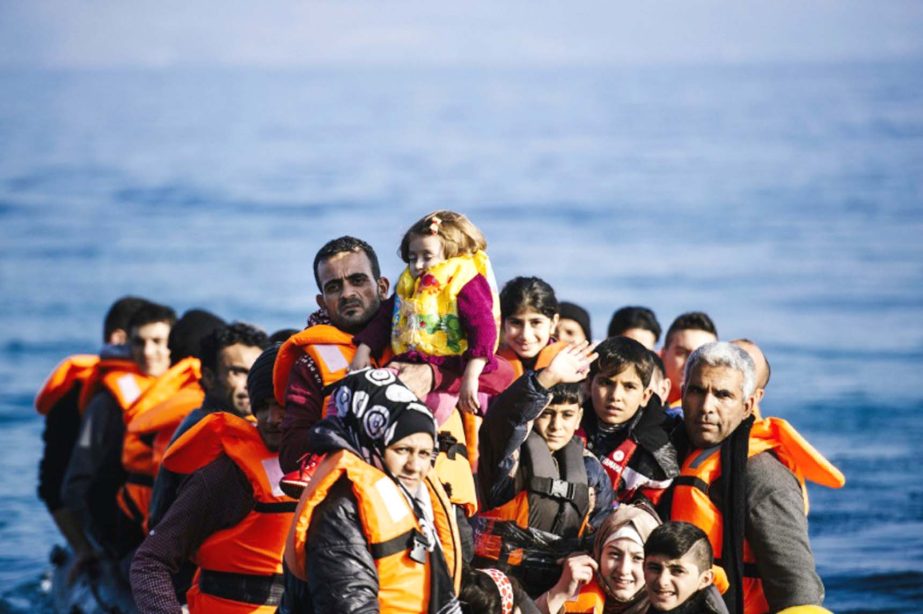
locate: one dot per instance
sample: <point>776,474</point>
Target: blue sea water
<point>785,200</point>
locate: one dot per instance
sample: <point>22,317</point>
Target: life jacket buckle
<point>561,489</point>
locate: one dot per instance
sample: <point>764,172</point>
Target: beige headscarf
<point>641,518</point>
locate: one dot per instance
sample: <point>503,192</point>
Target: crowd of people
<point>448,447</point>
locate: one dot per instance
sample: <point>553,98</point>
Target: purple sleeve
<point>377,333</point>
<point>475,310</point>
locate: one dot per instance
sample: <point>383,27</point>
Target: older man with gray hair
<point>742,482</point>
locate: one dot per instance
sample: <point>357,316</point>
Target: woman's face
<point>622,568</point>
<point>527,332</point>
<point>410,459</point>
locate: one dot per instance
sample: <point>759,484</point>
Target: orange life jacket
<point>331,350</point>
<point>691,502</point>
<point>120,376</point>
<point>163,419</point>
<point>388,522</point>
<point>544,356</point>
<point>137,446</point>
<point>590,600</point>
<point>240,568</point>
<point>452,462</point>
<point>73,371</point>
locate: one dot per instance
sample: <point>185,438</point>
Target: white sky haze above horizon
<point>285,33</point>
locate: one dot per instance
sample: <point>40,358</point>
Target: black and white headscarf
<point>377,409</point>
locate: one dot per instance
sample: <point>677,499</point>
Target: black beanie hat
<point>410,422</point>
<point>186,335</point>
<point>259,379</point>
<point>578,314</point>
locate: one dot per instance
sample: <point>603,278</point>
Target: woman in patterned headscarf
<point>374,530</point>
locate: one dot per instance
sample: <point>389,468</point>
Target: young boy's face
<point>617,397</point>
<point>557,424</point>
<point>670,582</point>
<point>149,348</point>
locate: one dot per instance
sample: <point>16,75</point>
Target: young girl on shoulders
<point>445,309</point>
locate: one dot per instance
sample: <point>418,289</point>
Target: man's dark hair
<point>691,320</point>
<point>187,334</point>
<point>120,313</point>
<point>658,363</point>
<point>528,293</point>
<point>148,313</point>
<point>566,393</point>
<point>220,338</point>
<point>618,353</point>
<point>675,539</point>
<point>630,317</point>
<point>346,244</point>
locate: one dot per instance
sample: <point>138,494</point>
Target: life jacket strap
<point>139,479</point>
<point>750,569</point>
<point>130,508</point>
<point>451,446</point>
<point>402,542</point>
<point>278,507</point>
<point>692,481</point>
<point>245,588</point>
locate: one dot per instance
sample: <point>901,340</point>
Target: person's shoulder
<point>766,473</point>
<point>335,519</point>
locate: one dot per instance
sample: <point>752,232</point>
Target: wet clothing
<point>652,462</point>
<point>212,499</point>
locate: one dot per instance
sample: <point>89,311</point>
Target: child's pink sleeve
<point>475,310</point>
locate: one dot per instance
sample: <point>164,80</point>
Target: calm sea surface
<point>786,201</point>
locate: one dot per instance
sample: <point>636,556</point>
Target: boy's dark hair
<point>346,244</point>
<point>528,293</point>
<point>630,317</point>
<point>691,320</point>
<point>282,335</point>
<point>187,334</point>
<point>148,313</point>
<point>220,338</point>
<point>658,363</point>
<point>120,313</point>
<point>675,539</point>
<point>618,353</point>
<point>567,393</point>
